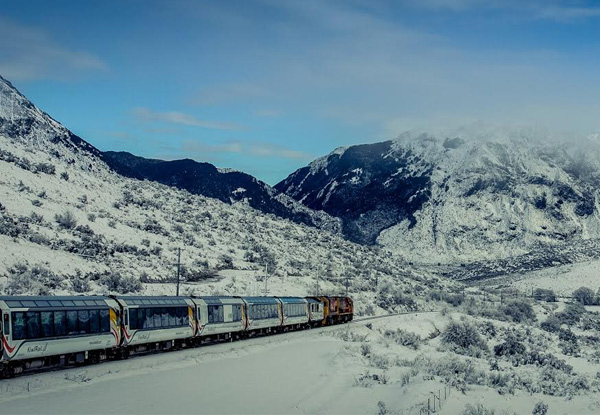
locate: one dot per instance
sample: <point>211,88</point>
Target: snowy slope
<point>475,193</point>
<point>123,230</point>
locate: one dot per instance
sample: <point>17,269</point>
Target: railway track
<point>32,372</point>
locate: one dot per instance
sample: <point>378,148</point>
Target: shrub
<point>519,311</point>
<point>405,338</point>
<point>478,409</point>
<point>65,176</point>
<point>542,294</point>
<point>365,349</point>
<point>92,217</point>
<point>572,314</point>
<point>45,168</point>
<point>510,347</point>
<point>551,324</point>
<point>37,280</point>
<point>584,295</point>
<point>464,338</point>
<point>81,285</point>
<point>37,202</point>
<point>66,220</point>
<point>487,328</point>
<point>117,283</point>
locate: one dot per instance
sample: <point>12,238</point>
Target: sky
<point>266,86</point>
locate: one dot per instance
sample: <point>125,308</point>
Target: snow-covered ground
<point>350,369</point>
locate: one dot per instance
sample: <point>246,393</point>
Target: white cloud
<point>174,117</point>
<point>29,54</point>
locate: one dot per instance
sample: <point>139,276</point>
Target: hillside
<point>482,192</point>
<point>69,223</point>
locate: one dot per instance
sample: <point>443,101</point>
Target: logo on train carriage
<point>37,348</point>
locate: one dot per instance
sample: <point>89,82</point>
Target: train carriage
<point>41,331</point>
<point>316,309</point>
<point>337,309</point>
<point>295,312</point>
<point>264,314</point>
<point>220,316</point>
<point>156,322</point>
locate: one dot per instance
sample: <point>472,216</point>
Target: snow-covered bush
<point>37,280</point>
<point>45,168</point>
<point>115,282</point>
<point>463,338</point>
<point>572,314</point>
<point>584,295</point>
<point>519,311</point>
<point>404,338</point>
<point>477,409</point>
<point>66,220</point>
<point>510,347</point>
<point>543,294</point>
<point>551,324</point>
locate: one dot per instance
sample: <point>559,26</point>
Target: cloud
<point>251,147</point>
<point>174,117</point>
<point>30,54</point>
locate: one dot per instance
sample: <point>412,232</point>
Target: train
<point>49,331</point>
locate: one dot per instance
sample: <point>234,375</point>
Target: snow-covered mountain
<point>69,223</point>
<point>477,193</point>
<point>228,186</point>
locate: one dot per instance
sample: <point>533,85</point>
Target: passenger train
<point>49,331</point>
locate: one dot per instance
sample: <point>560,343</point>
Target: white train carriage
<point>316,309</point>
<point>295,312</point>
<point>151,323</point>
<point>220,317</point>
<point>264,314</point>
<point>41,331</point>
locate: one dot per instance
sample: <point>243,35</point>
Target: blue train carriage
<point>220,317</point>
<point>295,312</point>
<point>39,331</point>
<point>316,310</point>
<point>264,314</point>
<point>156,323</point>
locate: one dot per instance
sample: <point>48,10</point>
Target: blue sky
<point>266,86</point>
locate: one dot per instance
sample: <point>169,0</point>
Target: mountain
<point>226,186</point>
<point>70,223</point>
<point>480,192</point>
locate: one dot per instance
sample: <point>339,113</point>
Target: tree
<point>584,295</point>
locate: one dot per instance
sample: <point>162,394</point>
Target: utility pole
<point>347,281</point>
<point>178,269</point>
<point>266,278</point>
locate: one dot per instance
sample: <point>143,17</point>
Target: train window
<point>55,303</point>
<point>6,325</point>
<point>33,324</point>
<point>157,318</point>
<point>105,321</point>
<point>133,318</point>
<point>237,312</point>
<point>71,322</point>
<point>47,318</point>
<point>13,304</point>
<point>68,303</point>
<point>149,318</point>
<point>83,318</point>
<point>182,313</point>
<point>94,321</point>
<point>28,303</point>
<point>19,327</point>
<point>216,314</point>
<point>164,317</point>
<point>90,302</point>
<point>79,303</point>
<point>60,328</point>
<point>172,317</point>
<point>42,303</point>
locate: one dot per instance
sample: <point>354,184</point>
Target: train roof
<point>214,299</point>
<point>261,300</point>
<point>45,301</point>
<point>154,300</point>
<point>293,300</point>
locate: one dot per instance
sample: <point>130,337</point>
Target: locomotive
<point>46,331</point>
